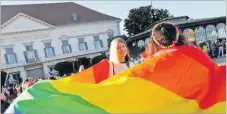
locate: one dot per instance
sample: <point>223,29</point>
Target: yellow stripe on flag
<point>129,95</point>
<point>219,108</point>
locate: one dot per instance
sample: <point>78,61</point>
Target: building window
<point>211,32</point>
<point>200,34</point>
<point>97,42</point>
<point>49,50</point>
<point>74,15</point>
<point>147,41</point>
<point>189,34</point>
<point>29,47</point>
<point>82,45</point>
<point>66,47</point>
<point>30,54</point>
<point>141,43</point>
<point>221,28</point>
<point>13,78</point>
<point>10,56</point>
<point>110,35</point>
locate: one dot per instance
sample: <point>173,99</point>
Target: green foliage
<point>141,18</point>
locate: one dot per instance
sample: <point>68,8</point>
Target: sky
<point>120,9</point>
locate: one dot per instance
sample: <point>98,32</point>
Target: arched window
<point>110,33</point>
<point>147,40</point>
<point>200,34</point>
<point>189,34</point>
<point>221,30</point>
<point>211,32</point>
<point>74,15</point>
<point>141,43</point>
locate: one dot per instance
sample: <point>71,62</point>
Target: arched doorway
<point>189,34</point>
<point>141,43</point>
<point>200,34</point>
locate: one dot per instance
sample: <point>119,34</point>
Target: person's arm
<point>17,87</point>
<point>81,68</point>
<point>110,69</point>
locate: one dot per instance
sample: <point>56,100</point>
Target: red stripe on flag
<point>188,72</point>
<point>101,71</point>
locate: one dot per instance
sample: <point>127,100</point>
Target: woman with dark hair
<point>181,41</point>
<point>183,66</point>
<point>163,35</point>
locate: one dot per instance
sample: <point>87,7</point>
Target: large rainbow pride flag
<point>176,80</point>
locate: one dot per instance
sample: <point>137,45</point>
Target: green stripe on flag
<point>47,100</point>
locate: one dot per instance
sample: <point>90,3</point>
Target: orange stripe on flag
<point>94,74</point>
<point>187,72</point>
<point>84,77</point>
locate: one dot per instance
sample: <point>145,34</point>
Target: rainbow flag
<point>176,80</point>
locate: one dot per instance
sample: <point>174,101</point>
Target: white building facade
<point>31,46</point>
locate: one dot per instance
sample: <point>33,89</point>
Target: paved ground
<point>220,60</point>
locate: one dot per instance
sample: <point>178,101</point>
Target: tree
<point>141,18</point>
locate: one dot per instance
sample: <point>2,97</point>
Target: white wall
<point>72,33</point>
<point>19,50</point>
<point>104,38</point>
<point>3,55</point>
<point>56,43</point>
<point>90,42</point>
<point>39,46</point>
<point>74,44</point>
<point>16,69</point>
<point>22,23</point>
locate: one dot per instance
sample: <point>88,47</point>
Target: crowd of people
<point>10,91</point>
<point>164,35</point>
<point>214,48</point>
